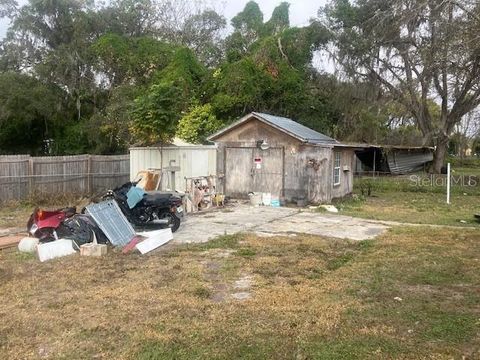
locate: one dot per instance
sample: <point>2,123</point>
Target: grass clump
<point>220,242</point>
<point>202,292</point>
<point>246,252</point>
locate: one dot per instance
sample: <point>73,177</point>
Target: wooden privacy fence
<point>23,175</point>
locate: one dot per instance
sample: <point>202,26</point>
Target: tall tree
<point>158,109</point>
<point>30,113</point>
<point>417,51</point>
<point>247,25</point>
<point>203,33</point>
<point>52,39</point>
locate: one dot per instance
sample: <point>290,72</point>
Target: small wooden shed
<point>272,154</point>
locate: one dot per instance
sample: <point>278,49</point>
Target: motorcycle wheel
<point>173,220</point>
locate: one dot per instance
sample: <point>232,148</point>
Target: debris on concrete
<point>90,233</point>
<point>255,198</point>
<point>330,208</point>
<point>201,194</point>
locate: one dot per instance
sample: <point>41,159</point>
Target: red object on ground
<point>131,245</point>
<point>49,219</point>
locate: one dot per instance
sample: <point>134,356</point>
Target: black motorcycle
<point>155,208</point>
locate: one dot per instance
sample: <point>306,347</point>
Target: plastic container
<point>275,201</point>
<point>266,199</point>
<point>255,199</point>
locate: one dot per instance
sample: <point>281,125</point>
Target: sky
<point>300,10</point>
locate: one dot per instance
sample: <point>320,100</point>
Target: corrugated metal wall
<point>405,161</point>
<point>192,160</point>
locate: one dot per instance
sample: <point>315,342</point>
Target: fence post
<point>89,174</point>
<point>448,183</point>
<point>31,174</point>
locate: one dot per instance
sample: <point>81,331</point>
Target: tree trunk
<point>439,156</point>
<point>78,105</point>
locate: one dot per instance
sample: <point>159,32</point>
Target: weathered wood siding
<point>242,175</point>
<point>308,173</point>
<point>22,175</point>
<point>346,176</point>
<point>307,169</point>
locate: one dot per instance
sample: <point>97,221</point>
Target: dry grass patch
<point>310,298</point>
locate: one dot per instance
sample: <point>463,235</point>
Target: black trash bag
<point>81,229</point>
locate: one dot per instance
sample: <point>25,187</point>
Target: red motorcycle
<point>44,224</point>
<point>64,224</point>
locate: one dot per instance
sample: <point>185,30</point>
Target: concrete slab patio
<point>270,221</point>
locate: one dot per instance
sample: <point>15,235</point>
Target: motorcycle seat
<point>156,198</point>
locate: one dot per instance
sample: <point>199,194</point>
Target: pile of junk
<point>127,217</point>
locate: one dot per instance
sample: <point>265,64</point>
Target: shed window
<point>336,168</point>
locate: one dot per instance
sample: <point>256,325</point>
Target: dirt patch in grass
<point>309,298</point>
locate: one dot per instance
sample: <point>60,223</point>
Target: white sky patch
<point>301,11</point>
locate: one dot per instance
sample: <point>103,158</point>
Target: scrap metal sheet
<point>113,223</point>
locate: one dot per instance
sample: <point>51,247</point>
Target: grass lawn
<point>399,199</point>
<point>412,293</point>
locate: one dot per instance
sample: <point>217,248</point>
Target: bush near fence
<point>22,176</point>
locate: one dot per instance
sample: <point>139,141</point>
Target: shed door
<point>253,170</point>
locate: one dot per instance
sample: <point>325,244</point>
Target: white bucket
<point>266,199</point>
<point>255,199</point>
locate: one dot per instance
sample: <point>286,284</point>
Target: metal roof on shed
<point>285,125</point>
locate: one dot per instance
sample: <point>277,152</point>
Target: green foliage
<point>125,59</point>
<point>73,139</point>
<point>106,76</point>
<point>239,88</point>
<point>108,131</point>
<point>30,111</point>
<point>203,34</point>
<point>185,71</point>
<point>249,20</point>
<point>279,21</point>
<point>410,50</point>
<point>298,44</point>
<point>198,124</point>
<point>156,113</point>
<point>158,109</point>
<point>248,25</point>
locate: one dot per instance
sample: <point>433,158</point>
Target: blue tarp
<point>134,196</point>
